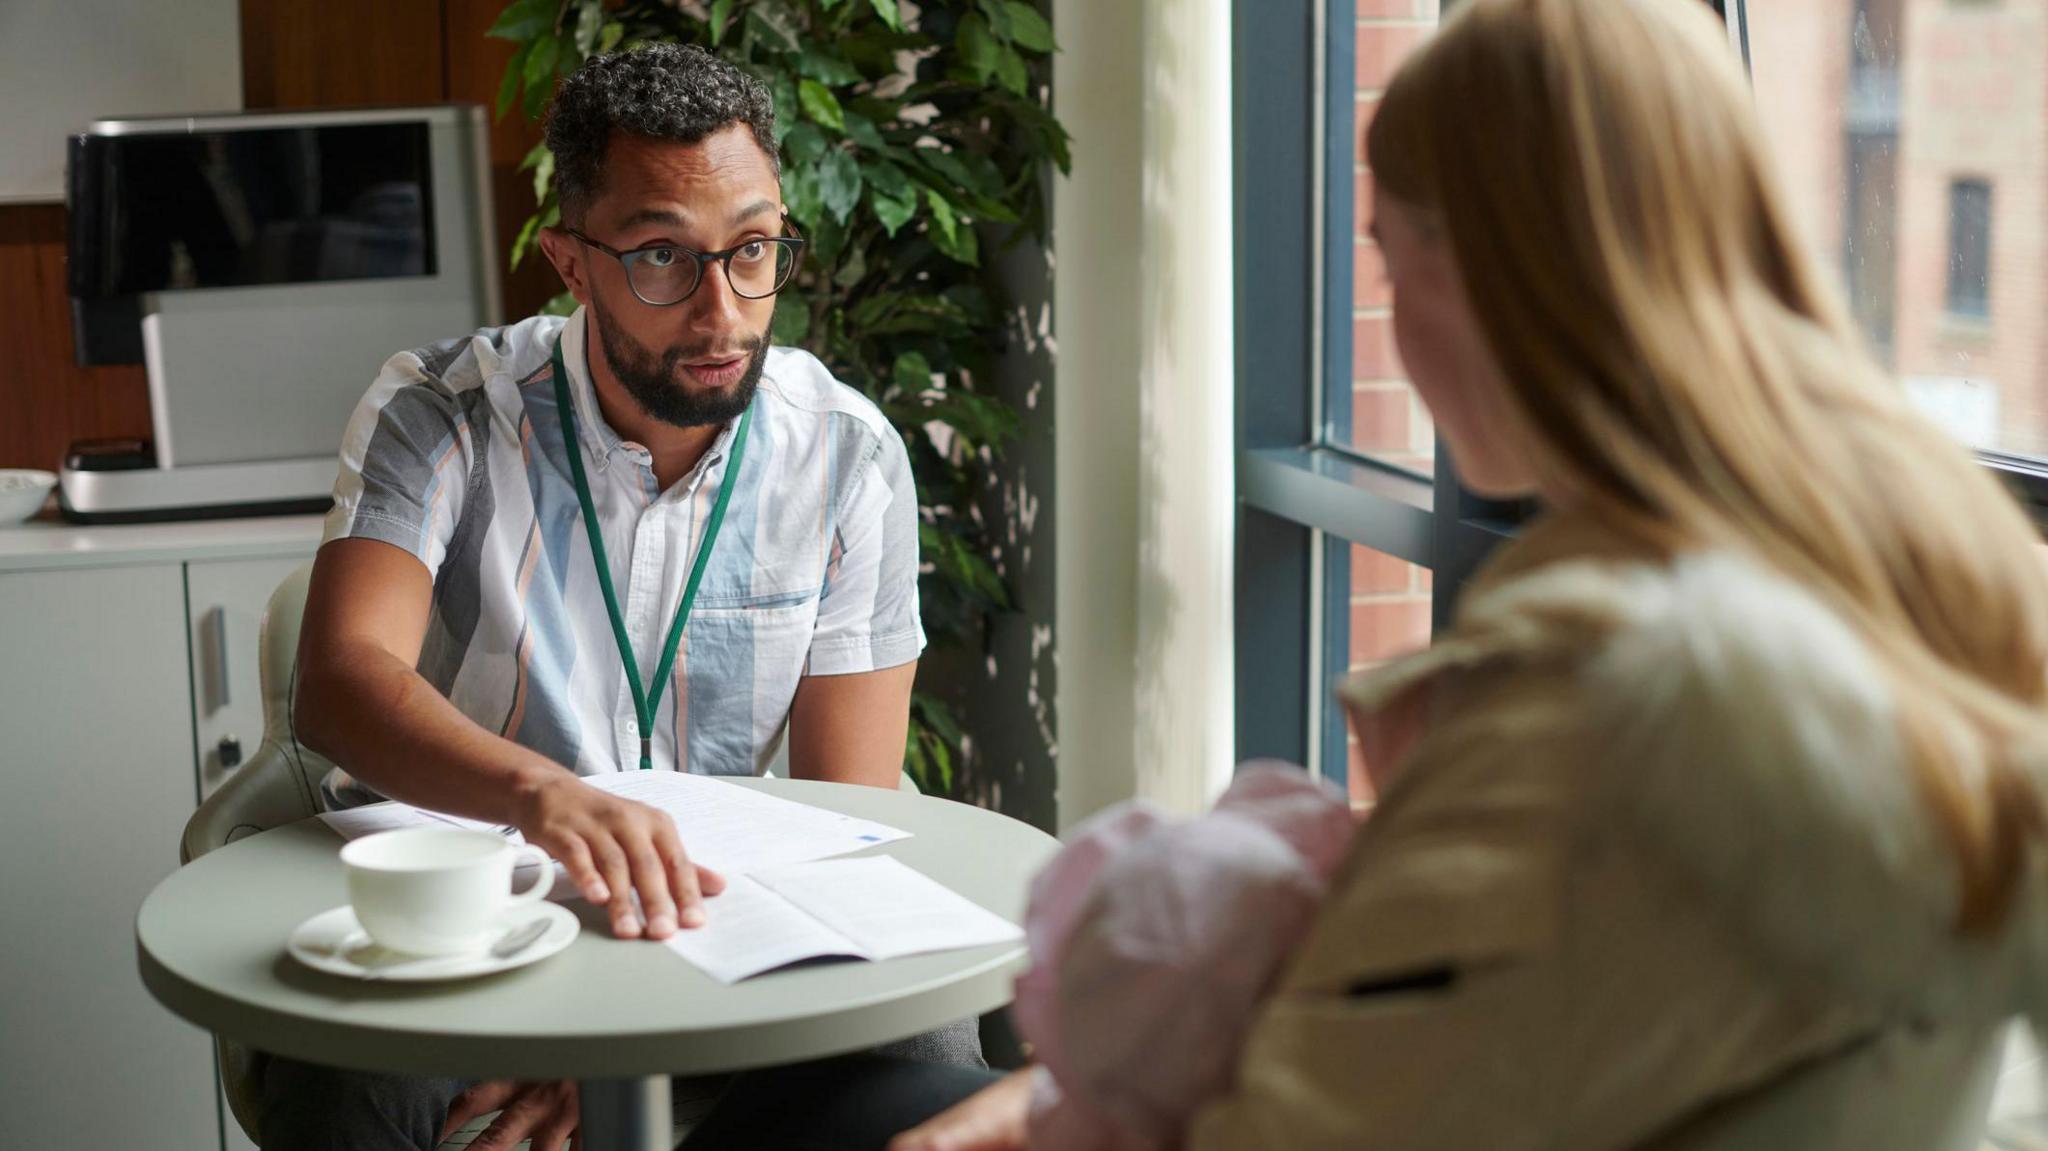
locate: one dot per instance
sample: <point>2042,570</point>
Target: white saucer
<point>335,943</point>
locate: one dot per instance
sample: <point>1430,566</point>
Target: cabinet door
<point>96,755</point>
<point>224,603</point>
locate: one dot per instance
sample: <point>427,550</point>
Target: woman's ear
<point>567,254</point>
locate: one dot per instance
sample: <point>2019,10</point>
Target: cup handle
<point>528,853</point>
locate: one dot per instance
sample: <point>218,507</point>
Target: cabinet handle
<point>230,752</point>
<point>218,621</point>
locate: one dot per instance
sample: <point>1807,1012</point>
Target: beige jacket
<point>1653,850</point>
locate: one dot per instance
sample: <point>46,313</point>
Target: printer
<point>262,267</point>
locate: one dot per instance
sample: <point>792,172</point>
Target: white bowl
<point>23,492</point>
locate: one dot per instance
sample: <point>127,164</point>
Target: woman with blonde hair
<point>1715,819</point>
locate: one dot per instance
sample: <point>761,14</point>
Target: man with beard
<point>640,538</point>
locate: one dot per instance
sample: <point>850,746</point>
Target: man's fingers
<point>486,1096</point>
<point>574,855</point>
<point>651,880</point>
<point>709,882</point>
<point>680,873</point>
<point>554,1134</point>
<point>611,863</point>
<point>522,1115</point>
<point>682,876</point>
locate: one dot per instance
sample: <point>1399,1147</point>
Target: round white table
<point>620,1016</point>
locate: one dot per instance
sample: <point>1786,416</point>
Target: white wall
<point>1141,312</point>
<point>65,63</point>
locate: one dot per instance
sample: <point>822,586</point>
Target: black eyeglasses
<point>664,274</point>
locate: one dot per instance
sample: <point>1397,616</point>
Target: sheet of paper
<point>390,815</point>
<point>886,908</point>
<point>749,929</point>
<point>511,834</point>
<point>735,831</point>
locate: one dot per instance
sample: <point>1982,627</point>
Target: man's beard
<point>658,382</point>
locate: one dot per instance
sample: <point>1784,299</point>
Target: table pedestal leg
<point>626,1115</point>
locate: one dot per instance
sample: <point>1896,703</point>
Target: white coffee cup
<point>437,891</point>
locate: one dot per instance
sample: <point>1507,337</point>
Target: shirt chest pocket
<point>761,634</point>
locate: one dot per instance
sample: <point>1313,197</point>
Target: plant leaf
<point>588,22</point>
<point>943,220</point>
<point>524,20</point>
<point>543,174</point>
<point>525,237</point>
<point>539,74</point>
<point>949,237</point>
<point>792,320</point>
<point>839,183</point>
<point>912,372</point>
<point>771,25</point>
<point>821,105</point>
<point>893,209</point>
<point>721,19</point>
<point>508,87</point>
<point>862,131</point>
<point>889,178</point>
<point>1029,27</point>
<point>782,87</point>
<point>609,38</point>
<point>1010,70</point>
<point>826,69</point>
<point>803,144</point>
<point>801,192</point>
<point>978,49</point>
<point>886,9</point>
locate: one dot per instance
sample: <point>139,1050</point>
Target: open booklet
<point>730,829</point>
<point>869,908</point>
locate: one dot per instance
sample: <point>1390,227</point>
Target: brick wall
<point>1972,104</point>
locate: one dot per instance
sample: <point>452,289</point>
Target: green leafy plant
<point>911,135</point>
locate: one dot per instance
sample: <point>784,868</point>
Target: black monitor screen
<point>285,205</point>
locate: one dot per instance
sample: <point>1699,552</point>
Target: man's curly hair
<point>664,91</point>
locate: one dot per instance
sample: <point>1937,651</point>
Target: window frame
<point>1981,194</point>
<point>1301,498</point>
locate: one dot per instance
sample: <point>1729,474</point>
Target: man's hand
<point>991,1119</point>
<point>547,1113</point>
<point>614,847</point>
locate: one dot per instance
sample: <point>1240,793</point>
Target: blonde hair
<point>1688,374</point>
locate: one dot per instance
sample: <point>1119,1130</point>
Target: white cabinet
<point>95,746</point>
<point>126,656</point>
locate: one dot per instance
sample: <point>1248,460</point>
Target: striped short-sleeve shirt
<point>456,455</point>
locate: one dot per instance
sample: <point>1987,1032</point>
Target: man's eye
<point>662,257</point>
<point>751,253</point>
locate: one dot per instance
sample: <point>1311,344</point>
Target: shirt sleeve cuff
<point>851,655</point>
<point>358,524</point>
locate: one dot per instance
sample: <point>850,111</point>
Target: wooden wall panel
<point>46,399</point>
<point>297,54</point>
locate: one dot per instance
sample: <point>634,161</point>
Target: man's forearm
<point>385,725</point>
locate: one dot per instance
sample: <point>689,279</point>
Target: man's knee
<point>957,1043</point>
<point>310,1107</point>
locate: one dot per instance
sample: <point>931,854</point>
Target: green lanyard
<point>642,706</point>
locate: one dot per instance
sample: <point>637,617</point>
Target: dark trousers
<point>309,1107</point>
<point>852,1103</point>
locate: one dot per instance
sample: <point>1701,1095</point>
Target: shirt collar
<point>596,433</point>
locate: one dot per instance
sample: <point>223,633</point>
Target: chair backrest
<point>280,783</point>
<point>1905,1090</point>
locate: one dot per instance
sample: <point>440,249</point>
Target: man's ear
<point>567,254</point>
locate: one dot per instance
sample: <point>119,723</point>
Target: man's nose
<point>715,307</point>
